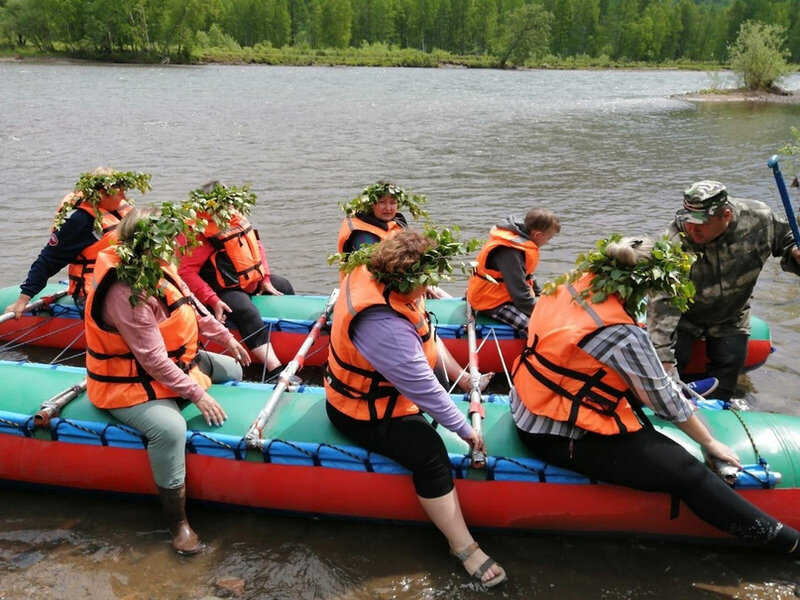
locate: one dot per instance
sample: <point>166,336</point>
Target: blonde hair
<point>127,226</point>
<point>630,251</point>
<point>104,171</point>
<point>398,253</point>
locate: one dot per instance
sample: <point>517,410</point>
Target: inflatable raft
<point>289,319</point>
<point>302,465</point>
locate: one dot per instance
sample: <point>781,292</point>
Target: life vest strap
<point>129,355</point>
<point>588,396</point>
<point>113,378</point>
<point>376,390</point>
<point>218,241</point>
<point>567,372</point>
<point>178,303</point>
<point>371,374</point>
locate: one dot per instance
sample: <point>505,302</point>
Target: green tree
<point>216,38</point>
<point>182,19</point>
<point>107,26</point>
<point>32,20</point>
<point>372,21</point>
<point>481,25</point>
<point>280,23</point>
<point>300,17</point>
<point>246,21</point>
<point>758,56</point>
<point>525,33</point>
<point>331,23</point>
<point>584,30</point>
<point>661,27</point>
<point>793,34</point>
<point>563,12</point>
<point>623,29</point>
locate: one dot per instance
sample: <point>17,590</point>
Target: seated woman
<point>373,216</point>
<point>380,378</point>
<point>83,225</point>
<point>229,265</point>
<point>142,327</point>
<point>587,369</point>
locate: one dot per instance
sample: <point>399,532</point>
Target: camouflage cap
<point>703,199</point>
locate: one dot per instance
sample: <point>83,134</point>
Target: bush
<point>793,150</point>
<point>758,56</point>
<point>215,38</point>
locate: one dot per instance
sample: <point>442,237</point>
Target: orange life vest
<point>483,294</point>
<point>556,378</point>
<point>352,384</point>
<point>236,259</point>
<point>354,223</point>
<point>81,268</point>
<point>115,379</point>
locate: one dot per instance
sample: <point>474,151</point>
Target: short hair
<point>208,186</point>
<point>398,253</point>
<point>630,251</point>
<point>541,219</point>
<point>104,171</point>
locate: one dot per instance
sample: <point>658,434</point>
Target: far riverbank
<point>374,55</point>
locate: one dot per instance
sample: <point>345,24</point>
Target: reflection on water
<point>608,151</point>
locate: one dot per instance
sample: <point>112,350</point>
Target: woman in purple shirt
<point>380,379</point>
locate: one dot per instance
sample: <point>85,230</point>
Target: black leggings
<point>245,315</point>
<point>409,440</point>
<point>650,461</point>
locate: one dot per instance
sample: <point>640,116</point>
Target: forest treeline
<point>495,32</point>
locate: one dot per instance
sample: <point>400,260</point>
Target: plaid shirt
<point>628,350</point>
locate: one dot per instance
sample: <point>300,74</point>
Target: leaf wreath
<point>667,272</point>
<point>89,188</point>
<point>154,242</point>
<point>433,266</point>
<point>220,204</point>
<point>415,203</point>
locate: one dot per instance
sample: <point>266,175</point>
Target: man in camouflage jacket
<point>732,239</point>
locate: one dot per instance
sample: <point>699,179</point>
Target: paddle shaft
<point>772,163</point>
<point>51,407</point>
<point>475,397</point>
<point>253,437</point>
<point>37,304</point>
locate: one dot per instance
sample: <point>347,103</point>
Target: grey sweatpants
<point>162,423</point>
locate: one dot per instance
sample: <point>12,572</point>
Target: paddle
<point>51,407</point>
<point>42,302</point>
<point>476,410</point>
<point>253,436</point>
<point>772,163</point>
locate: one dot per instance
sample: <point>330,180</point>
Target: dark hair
<point>210,185</point>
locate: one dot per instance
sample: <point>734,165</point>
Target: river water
<point>608,151</point>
